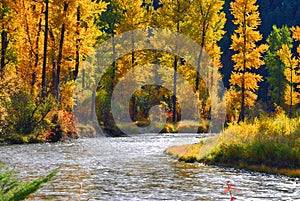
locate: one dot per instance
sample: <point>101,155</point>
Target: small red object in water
<point>229,189</point>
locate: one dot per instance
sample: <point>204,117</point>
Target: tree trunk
<point>200,58</point>
<point>83,78</point>
<point>44,92</point>
<point>174,91</point>
<point>36,55</point>
<point>4,44</point>
<point>77,58</point>
<point>133,111</point>
<point>114,66</point>
<point>291,94</point>
<point>59,59</point>
<point>174,115</point>
<point>242,113</point>
<point>93,106</point>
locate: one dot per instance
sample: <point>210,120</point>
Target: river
<point>136,168</point>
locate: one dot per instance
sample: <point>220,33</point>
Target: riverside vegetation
<point>252,50</point>
<point>267,144</point>
<point>13,189</point>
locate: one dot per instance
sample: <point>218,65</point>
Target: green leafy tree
<point>108,22</point>
<point>276,79</point>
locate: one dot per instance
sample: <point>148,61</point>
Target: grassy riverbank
<point>269,145</point>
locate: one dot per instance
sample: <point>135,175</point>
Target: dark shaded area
<point>278,12</point>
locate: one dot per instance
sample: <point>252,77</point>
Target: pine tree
<point>248,54</point>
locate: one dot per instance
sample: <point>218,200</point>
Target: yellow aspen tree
<point>172,16</point>
<point>292,96</point>
<point>7,35</point>
<point>28,44</point>
<point>72,37</point>
<point>51,45</point>
<point>134,17</point>
<point>248,55</point>
<point>206,21</point>
<point>206,26</point>
<point>296,37</point>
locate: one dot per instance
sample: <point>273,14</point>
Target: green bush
<point>25,118</point>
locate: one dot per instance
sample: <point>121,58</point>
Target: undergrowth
<point>273,142</point>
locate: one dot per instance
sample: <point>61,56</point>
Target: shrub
<point>61,127</point>
<point>269,141</point>
<point>26,117</point>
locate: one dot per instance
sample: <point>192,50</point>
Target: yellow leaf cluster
<point>248,80</point>
<point>245,11</point>
<point>291,96</point>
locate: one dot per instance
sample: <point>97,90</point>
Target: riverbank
<point>270,145</point>
<point>189,154</point>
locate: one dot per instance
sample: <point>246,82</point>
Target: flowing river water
<point>136,168</point>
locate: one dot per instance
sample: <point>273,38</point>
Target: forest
<point>252,46</point>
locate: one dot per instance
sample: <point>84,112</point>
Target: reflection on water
<point>135,168</point>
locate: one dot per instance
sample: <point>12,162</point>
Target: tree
<point>108,22</point>
<point>134,17</point>
<point>293,78</point>
<point>172,15</point>
<point>206,22</point>
<point>248,54</point>
<point>45,49</point>
<point>72,37</point>
<point>48,40</point>
<point>4,22</point>
<point>276,79</point>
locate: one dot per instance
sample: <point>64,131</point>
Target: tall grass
<point>271,142</point>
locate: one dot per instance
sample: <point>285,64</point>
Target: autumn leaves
<point>248,58</point>
<point>44,44</point>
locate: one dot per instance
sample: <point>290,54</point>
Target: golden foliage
<point>248,55</point>
<point>292,96</point>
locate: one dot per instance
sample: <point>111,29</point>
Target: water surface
<point>136,168</point>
